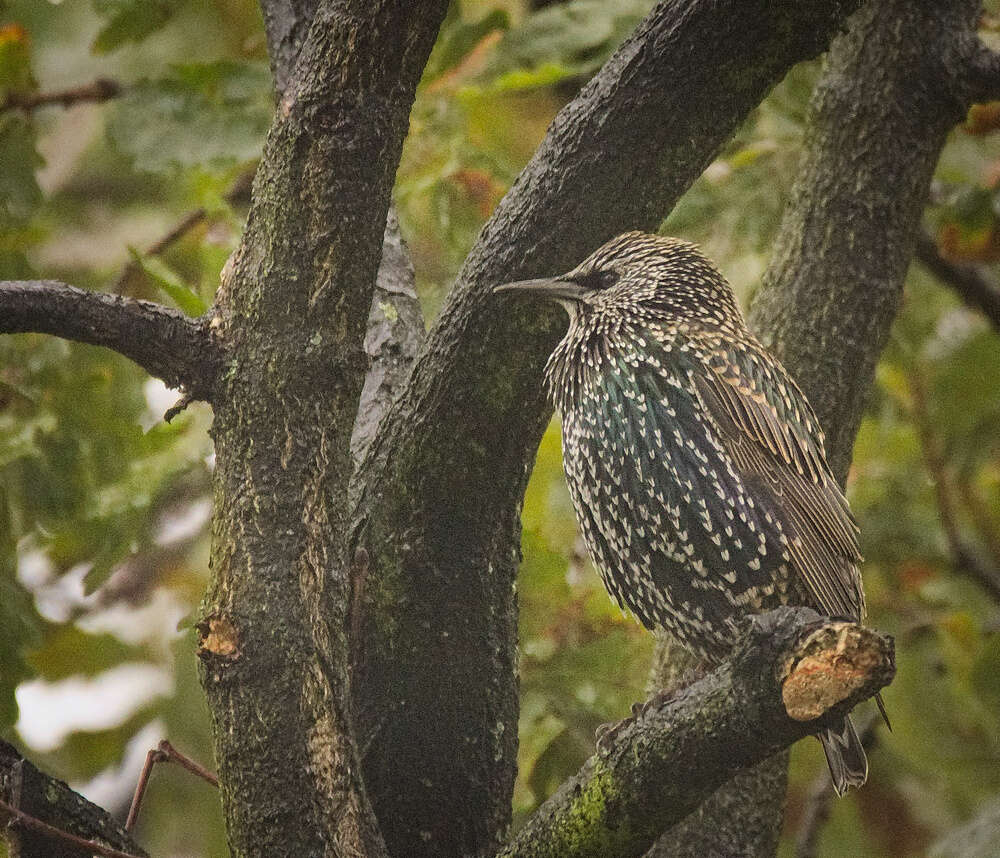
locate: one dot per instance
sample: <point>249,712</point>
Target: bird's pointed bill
<point>547,287</point>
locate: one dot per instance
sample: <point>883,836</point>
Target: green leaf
<point>579,35</point>
<point>20,624</point>
<point>519,80</point>
<point>459,39</point>
<point>207,115</point>
<point>19,191</point>
<point>169,283</point>
<point>15,59</point>
<point>130,21</point>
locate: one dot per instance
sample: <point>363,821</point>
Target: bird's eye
<point>596,280</point>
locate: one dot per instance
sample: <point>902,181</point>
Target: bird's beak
<point>547,287</point>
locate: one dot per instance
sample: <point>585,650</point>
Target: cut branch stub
<point>833,663</point>
<point>659,765</point>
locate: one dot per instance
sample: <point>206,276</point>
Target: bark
<point>49,800</point>
<point>293,314</point>
<point>164,342</point>
<point>893,86</point>
<point>672,755</point>
<point>741,819</point>
<point>393,339</point>
<point>437,693</point>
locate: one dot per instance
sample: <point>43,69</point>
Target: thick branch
<point>745,816</point>
<point>443,479</point>
<point>395,334</point>
<point>164,342</point>
<point>49,801</point>
<point>664,762</point>
<point>968,281</point>
<point>878,120</point>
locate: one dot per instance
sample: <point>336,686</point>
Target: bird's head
<point>642,275</point>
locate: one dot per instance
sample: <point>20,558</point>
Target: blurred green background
<point>104,509</point>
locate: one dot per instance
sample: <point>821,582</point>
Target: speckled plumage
<point>695,463</point>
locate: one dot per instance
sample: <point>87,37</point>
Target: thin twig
<point>101,90</point>
<point>237,192</point>
<point>965,557</point>
<point>968,281</point>
<point>820,798</point>
<point>162,753</point>
<point>29,821</point>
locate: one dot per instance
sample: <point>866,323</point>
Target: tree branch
<point>164,342</point>
<point>981,74</point>
<point>395,334</point>
<point>745,815</point>
<point>101,90</point>
<point>791,674</point>
<point>965,557</point>
<point>238,192</point>
<point>453,455</point>
<point>46,819</point>
<point>968,281</point>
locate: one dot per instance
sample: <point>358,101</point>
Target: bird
<point>695,463</point>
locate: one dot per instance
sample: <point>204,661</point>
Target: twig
<point>820,797</point>
<point>968,281</point>
<point>29,821</point>
<point>101,90</point>
<point>238,192</point>
<point>162,753</point>
<point>964,556</point>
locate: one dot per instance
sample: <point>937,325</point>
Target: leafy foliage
<point>209,115</point>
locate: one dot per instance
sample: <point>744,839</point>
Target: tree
<point>358,638</point>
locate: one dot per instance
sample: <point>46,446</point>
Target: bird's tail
<point>845,756</point>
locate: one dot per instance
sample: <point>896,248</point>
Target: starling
<point>695,463</point>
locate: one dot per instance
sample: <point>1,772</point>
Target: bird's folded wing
<point>775,441</point>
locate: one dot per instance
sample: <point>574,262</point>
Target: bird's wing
<point>775,440</point>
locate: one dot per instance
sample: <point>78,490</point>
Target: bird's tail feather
<point>845,756</point>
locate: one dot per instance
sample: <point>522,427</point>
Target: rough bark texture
<point>164,342</point>
<point>437,697</point>
<point>892,89</point>
<point>663,762</point>
<point>893,86</point>
<point>392,342</point>
<point>293,315</point>
<point>741,819</point>
<point>286,23</point>
<point>45,798</point>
